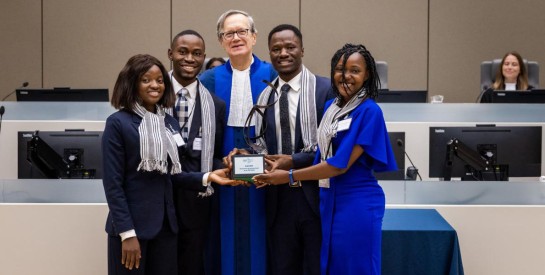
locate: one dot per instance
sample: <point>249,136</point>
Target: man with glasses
<point>238,83</point>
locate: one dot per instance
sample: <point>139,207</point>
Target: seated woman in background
<point>512,75</point>
<point>214,62</point>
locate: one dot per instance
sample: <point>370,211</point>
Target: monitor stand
<point>499,172</point>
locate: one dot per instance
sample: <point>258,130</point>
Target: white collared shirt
<point>510,86</point>
<point>293,99</point>
<point>241,98</point>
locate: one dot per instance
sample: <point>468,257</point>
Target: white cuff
<point>127,234</point>
<point>205,182</point>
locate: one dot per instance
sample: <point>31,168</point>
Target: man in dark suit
<point>203,121</point>
<point>293,215</point>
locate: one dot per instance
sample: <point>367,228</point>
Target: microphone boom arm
<point>472,158</point>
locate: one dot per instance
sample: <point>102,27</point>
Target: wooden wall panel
<point>21,47</point>
<point>437,45</point>
<point>394,31</point>
<point>87,43</point>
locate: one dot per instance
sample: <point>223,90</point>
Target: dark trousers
<point>191,251</point>
<point>294,238</point>
<point>158,254</point>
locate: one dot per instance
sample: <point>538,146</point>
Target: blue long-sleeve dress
<point>353,206</point>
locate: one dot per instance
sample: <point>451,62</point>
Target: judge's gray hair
<point>221,21</point>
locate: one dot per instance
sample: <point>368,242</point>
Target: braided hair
<point>372,84</point>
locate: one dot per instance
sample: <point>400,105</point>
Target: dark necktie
<point>285,120</point>
<point>182,112</point>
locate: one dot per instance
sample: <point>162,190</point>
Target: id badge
<point>179,140</point>
<point>323,183</point>
<point>344,124</point>
<point>197,144</point>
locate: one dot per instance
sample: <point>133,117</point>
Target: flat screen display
<point>516,147</point>
<point>531,96</point>
<point>408,96</point>
<point>56,150</point>
<point>399,154</point>
<point>62,94</point>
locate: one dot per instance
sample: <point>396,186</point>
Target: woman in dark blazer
<point>140,154</point>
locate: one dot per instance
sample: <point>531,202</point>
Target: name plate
<point>247,166</point>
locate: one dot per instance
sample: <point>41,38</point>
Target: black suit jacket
<point>192,210</point>
<point>137,200</point>
<point>300,160</point>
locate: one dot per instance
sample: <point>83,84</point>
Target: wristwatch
<point>292,182</point>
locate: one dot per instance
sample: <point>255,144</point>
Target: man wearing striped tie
<point>202,118</point>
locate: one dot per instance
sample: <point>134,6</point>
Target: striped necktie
<point>182,112</point>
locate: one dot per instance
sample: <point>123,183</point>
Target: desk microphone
<point>412,171</point>
<point>2,110</point>
<point>478,100</point>
<point>22,86</point>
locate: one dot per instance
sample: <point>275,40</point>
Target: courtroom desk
<point>62,191</point>
<point>415,119</point>
<point>463,112</point>
<point>56,213</point>
<point>45,116</point>
<point>420,242</point>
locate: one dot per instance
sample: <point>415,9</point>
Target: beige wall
<point>86,43</point>
<point>394,31</point>
<point>21,47</point>
<point>428,44</point>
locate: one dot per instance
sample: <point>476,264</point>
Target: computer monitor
<point>531,96</point>
<point>397,140</point>
<point>62,94</point>
<point>408,96</point>
<point>505,151</point>
<point>72,154</point>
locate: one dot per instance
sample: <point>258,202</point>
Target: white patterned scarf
<point>156,142</point>
<point>208,124</point>
<point>307,111</point>
<point>330,121</point>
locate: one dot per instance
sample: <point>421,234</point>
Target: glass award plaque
<point>247,166</point>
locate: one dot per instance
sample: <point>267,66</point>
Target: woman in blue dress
<point>352,143</point>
